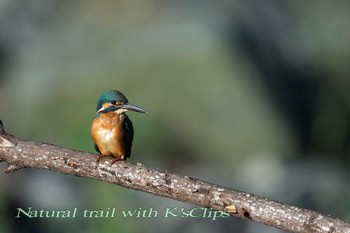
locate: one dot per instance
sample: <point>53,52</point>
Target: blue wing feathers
<point>128,135</point>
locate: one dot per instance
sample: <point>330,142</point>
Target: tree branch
<point>27,154</point>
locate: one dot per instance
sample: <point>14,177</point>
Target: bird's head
<point>115,101</point>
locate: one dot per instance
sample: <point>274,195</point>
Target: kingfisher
<point>111,129</point>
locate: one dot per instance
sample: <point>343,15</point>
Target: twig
<point>27,154</point>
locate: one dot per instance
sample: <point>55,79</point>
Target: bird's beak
<point>132,107</point>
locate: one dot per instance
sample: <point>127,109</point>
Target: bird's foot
<point>115,160</point>
<point>99,158</point>
<point>119,158</point>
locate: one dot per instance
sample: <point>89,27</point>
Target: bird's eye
<point>113,102</point>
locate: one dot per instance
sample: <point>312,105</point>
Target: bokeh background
<point>245,94</point>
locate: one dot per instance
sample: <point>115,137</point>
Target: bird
<point>111,129</point>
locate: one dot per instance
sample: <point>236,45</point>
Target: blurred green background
<point>249,95</point>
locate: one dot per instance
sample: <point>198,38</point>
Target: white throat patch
<point>120,111</point>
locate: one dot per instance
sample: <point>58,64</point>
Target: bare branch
<point>27,154</point>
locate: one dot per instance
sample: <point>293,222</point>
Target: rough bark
<point>28,154</point>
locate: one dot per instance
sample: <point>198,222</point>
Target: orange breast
<point>107,133</point>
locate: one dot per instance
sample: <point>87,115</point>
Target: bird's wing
<point>128,135</point>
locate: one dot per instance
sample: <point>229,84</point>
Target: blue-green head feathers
<point>110,96</point>
<point>114,100</point>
